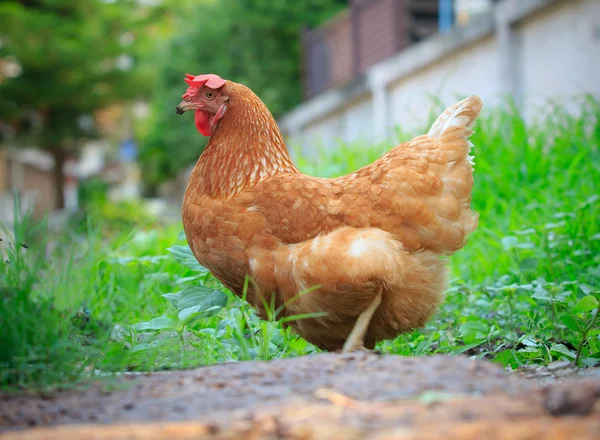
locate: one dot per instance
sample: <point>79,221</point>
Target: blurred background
<point>100,278</point>
<point>88,88</point>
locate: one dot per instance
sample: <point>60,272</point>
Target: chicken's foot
<point>356,338</point>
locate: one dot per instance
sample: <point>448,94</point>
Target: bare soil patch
<point>338,396</point>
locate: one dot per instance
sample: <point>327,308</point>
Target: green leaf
<point>590,362</point>
<point>525,246</point>
<point>590,201</point>
<point>160,323</point>
<point>462,349</point>
<point>185,257</point>
<point>173,298</point>
<point>186,313</point>
<point>571,323</point>
<point>552,225</point>
<point>528,264</point>
<point>207,331</point>
<point>541,293</point>
<point>200,295</point>
<point>509,242</point>
<point>473,331</point>
<point>507,358</point>
<point>529,352</point>
<point>587,289</point>
<point>185,280</point>
<point>149,345</point>
<point>197,299</point>
<point>474,326</point>
<point>585,304</point>
<point>562,349</point>
<point>529,342</point>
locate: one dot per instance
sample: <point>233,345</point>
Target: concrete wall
<point>471,70</point>
<point>347,124</point>
<point>532,50</point>
<point>560,52</point>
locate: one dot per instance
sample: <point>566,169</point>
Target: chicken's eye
<point>209,94</point>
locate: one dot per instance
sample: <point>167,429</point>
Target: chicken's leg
<point>356,338</point>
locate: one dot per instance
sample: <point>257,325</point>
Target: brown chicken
<point>365,248</point>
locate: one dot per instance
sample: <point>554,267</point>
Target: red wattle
<point>202,120</point>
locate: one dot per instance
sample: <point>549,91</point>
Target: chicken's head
<point>205,96</point>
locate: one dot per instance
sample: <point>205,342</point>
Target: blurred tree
<point>67,60</point>
<point>255,42</point>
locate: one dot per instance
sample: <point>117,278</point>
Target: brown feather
<point>249,211</point>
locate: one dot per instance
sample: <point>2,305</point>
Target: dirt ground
<point>333,396</point>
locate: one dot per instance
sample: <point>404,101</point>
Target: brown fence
<point>369,31</point>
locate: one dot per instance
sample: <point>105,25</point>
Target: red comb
<point>210,80</point>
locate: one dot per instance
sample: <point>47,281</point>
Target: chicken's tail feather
<point>449,157</point>
<point>462,114</point>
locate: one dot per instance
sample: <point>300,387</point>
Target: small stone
<point>558,365</point>
<point>565,372</point>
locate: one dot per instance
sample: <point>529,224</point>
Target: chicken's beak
<point>184,106</point>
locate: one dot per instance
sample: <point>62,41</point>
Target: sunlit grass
<point>524,289</point>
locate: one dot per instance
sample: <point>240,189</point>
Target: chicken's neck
<point>246,148</point>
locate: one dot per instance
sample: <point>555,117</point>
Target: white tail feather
<point>461,114</point>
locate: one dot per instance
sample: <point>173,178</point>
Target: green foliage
<point>44,339</point>
<point>254,42</point>
<point>525,289</point>
<point>72,61</point>
<point>581,319</point>
<point>92,192</point>
<point>239,333</point>
<point>112,219</point>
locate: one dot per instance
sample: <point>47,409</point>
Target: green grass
<point>524,290</point>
